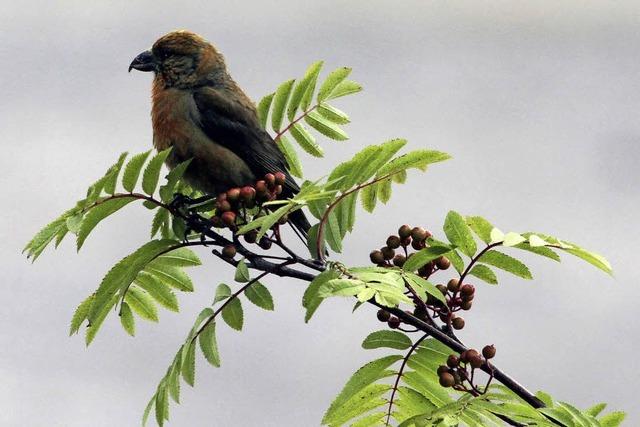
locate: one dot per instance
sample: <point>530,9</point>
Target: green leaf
<point>126,319</point>
<point>172,276</point>
<point>370,420</point>
<point>188,367</point>
<point>151,173</point>
<point>161,405</point>
<point>411,403</point>
<point>612,419</point>
<point>173,177</point>
<point>512,239</point>
<point>222,293</point>
<point>459,234</point>
<point>364,376</point>
<point>333,114</point>
<point>456,261</point>
<point>179,257</point>
<point>40,241</point>
<point>280,100</point>
<point>364,164</point>
<point>311,299</point>
<point>141,303</point>
<point>132,170</point>
<point>263,109</point>
<point>208,344</point>
<point>232,314</point>
<point>340,287</point>
<point>595,410</point>
<point>242,272</point>
<point>592,258</point>
<point>545,397</point>
<point>258,294</point>
<point>388,339</point>
<point>369,197</point>
<point>295,168</point>
<point>97,214</point>
<point>484,273</point>
<point>539,250</point>
<point>111,178</point>
<point>481,227</point>
<point>332,232</point>
<point>506,263</point>
<point>157,290</point>
<point>344,88</point>
<point>418,159</point>
<point>74,222</point>
<point>423,256</point>
<point>325,127</point>
<point>147,410</point>
<point>331,82</point>
<point>306,141</point>
<point>160,220</point>
<point>419,283</point>
<point>309,79</point>
<point>370,397</point>
<point>384,190</point>
<point>80,314</point>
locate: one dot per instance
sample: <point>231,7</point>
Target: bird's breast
<point>172,116</point>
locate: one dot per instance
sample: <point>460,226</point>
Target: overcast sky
<point>538,103</point>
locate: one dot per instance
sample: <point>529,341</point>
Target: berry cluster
<point>459,369</point>
<point>406,238</point>
<point>238,205</point>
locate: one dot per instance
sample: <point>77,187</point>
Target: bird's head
<point>182,59</point>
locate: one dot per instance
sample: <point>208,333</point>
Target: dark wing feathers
<point>236,127</point>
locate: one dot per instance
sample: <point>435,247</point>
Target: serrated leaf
<point>595,410</point>
<point>172,179</point>
<point>481,227</point>
<point>172,276</point>
<point>161,405</point>
<point>209,345</point>
<point>370,397</point>
<point>232,314</point>
<point>331,113</point>
<point>344,88</point>
<point>80,314</point>
<point>512,239</point>
<point>263,109</point>
<point>97,214</point>
<point>222,293</point>
<point>370,420</point>
<point>612,419</point>
<point>74,222</point>
<point>173,377</point>
<point>340,287</point>
<point>411,403</point>
<point>364,376</point>
<point>325,127</point>
<point>141,303</point>
<point>258,294</point>
<point>418,159</point>
<point>484,273</point>
<point>591,257</point>
<point>242,272</point>
<point>384,190</point>
<point>418,283</point>
<point>423,256</point>
<point>147,410</point>
<point>157,290</point>
<point>132,170</point>
<point>536,241</point>
<point>42,239</point>
<point>545,398</point>
<point>330,83</point>
<point>332,233</point>
<point>506,263</point>
<point>151,173</point>
<point>290,155</point>
<point>459,233</point>
<point>179,257</point>
<point>541,250</point>
<point>365,295</point>
<point>311,299</point>
<point>309,79</point>
<point>369,197</point>
<point>159,221</point>
<point>280,100</point>
<point>388,339</point>
<point>306,141</point>
<point>496,235</point>
<point>111,177</point>
<point>126,319</point>
<point>188,367</point>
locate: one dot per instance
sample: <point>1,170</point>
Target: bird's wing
<point>235,126</point>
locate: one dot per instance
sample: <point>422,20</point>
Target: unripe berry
<point>399,260</point>
<point>476,361</point>
<point>270,179</point>
<point>447,380</point>
<point>278,189</point>
<point>453,361</point>
<point>419,233</point>
<point>467,355</point>
<point>261,187</point>
<point>405,242</point>
<point>280,178</point>
<point>387,252</point>
<point>404,231</point>
<point>417,244</point>
<point>467,290</point>
<point>216,221</point>
<point>466,305</point>
<point>457,323</point>
<point>264,243</point>
<point>442,289</point>
<point>228,218</point>
<point>443,263</point>
<point>383,315</point>
<point>393,242</point>
<point>453,285</point>
<point>442,370</point>
<point>233,194</point>
<point>229,251</point>
<point>223,205</point>
<point>376,257</point>
<point>247,193</point>
<point>489,351</point>
<point>251,236</point>
<point>393,322</point>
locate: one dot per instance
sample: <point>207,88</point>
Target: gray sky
<point>537,102</point>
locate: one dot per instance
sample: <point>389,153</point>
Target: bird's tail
<point>300,224</point>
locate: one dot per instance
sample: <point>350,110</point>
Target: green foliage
<point>388,339</point>
<point>258,294</point>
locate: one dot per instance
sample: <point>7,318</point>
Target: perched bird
<point>200,111</point>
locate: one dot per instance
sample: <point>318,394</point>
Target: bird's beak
<point>144,62</point>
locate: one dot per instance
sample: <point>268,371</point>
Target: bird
<point>202,113</point>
